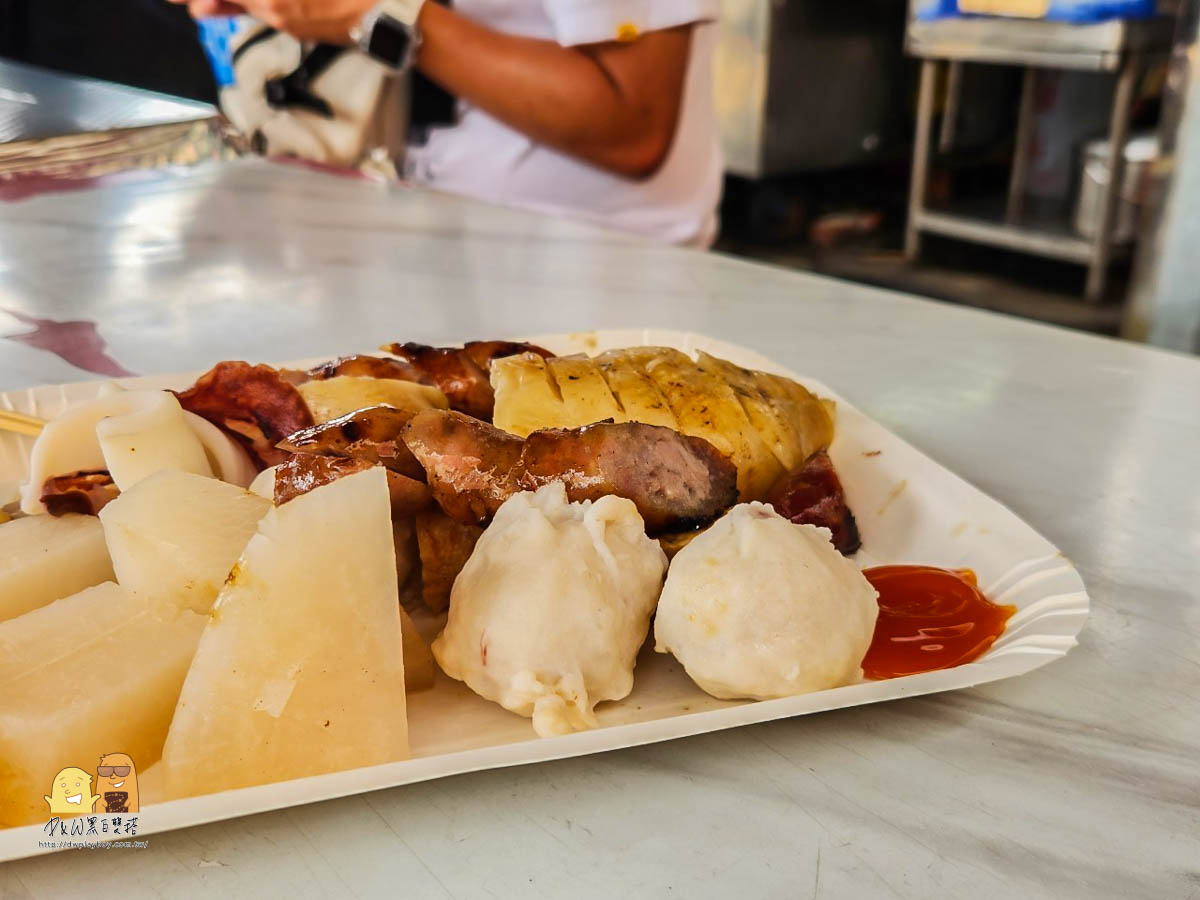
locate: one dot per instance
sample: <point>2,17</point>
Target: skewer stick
<point>21,423</point>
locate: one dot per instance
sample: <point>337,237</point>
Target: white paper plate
<point>909,510</point>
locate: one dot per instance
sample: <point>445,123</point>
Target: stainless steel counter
<point>1078,780</point>
<point>38,103</point>
<point>57,124</point>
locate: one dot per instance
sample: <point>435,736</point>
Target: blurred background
<point>1037,158</point>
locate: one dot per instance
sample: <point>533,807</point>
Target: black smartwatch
<point>388,33</point>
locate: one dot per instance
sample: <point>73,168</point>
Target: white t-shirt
<point>482,157</point>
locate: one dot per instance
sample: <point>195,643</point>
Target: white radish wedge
<point>301,667</point>
<point>93,673</point>
<point>43,558</point>
<point>179,534</point>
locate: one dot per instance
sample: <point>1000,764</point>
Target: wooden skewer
<point>21,423</point>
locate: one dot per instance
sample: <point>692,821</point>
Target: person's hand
<point>206,9</point>
<point>308,20</point>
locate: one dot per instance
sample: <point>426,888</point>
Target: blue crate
<point>215,35</point>
<point>927,10</point>
<point>1078,11</point>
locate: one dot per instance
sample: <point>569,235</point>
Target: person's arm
<point>613,104</point>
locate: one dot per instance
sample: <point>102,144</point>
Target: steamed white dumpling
<point>757,607</point>
<point>548,614</point>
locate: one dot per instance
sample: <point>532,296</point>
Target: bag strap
<point>293,89</point>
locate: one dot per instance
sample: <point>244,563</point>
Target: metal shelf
<point>1010,236</point>
<point>1114,46</point>
<point>1099,47</point>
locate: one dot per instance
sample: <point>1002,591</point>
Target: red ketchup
<point>929,619</point>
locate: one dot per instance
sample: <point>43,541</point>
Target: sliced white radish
<point>151,437</point>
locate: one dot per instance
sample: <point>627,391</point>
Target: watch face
<point>389,41</point>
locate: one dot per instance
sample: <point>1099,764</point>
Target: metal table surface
<point>1077,780</point>
<point>58,125</point>
<point>38,103</point>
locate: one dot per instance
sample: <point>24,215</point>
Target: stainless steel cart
<point>1115,46</point>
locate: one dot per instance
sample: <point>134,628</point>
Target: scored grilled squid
<point>124,436</point>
